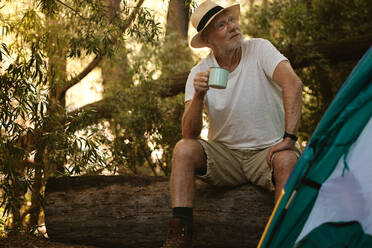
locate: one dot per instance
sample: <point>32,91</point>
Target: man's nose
<point>232,26</point>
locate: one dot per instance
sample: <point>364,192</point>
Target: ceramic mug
<point>218,77</point>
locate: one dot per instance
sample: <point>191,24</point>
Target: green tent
<point>327,201</point>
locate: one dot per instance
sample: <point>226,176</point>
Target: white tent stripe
<point>348,196</point>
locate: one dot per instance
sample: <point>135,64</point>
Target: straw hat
<point>204,14</point>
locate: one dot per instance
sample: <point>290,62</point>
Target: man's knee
<point>189,150</point>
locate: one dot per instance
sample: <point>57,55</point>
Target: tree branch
<point>133,15</point>
<point>334,51</point>
<point>175,84</point>
<point>99,57</point>
<point>82,74</point>
<point>74,10</point>
<point>337,51</point>
<point>92,113</point>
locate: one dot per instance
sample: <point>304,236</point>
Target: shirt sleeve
<point>269,57</point>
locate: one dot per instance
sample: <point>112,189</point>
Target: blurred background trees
<point>143,66</point>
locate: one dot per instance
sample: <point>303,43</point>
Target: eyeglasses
<point>222,24</point>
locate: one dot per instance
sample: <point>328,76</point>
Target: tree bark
<point>132,212</point>
<point>178,18</point>
<point>347,49</point>
<point>178,56</point>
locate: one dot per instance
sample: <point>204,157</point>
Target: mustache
<point>235,33</point>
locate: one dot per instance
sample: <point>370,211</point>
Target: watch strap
<point>290,135</point>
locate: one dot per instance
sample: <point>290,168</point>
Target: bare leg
<point>284,163</point>
<point>188,156</point>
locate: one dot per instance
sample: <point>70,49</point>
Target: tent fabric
<point>347,195</point>
<point>337,235</point>
<point>339,128</point>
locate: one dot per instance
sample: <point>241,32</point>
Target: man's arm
<point>192,119</point>
<point>291,86</point>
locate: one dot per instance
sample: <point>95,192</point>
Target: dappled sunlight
<point>89,90</point>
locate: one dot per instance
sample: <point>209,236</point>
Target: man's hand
<point>201,83</point>
<point>286,144</point>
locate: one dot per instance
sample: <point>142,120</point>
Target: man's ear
<point>204,37</point>
<point>208,44</point>
<point>206,40</point>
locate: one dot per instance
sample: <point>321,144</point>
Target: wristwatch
<point>290,135</point>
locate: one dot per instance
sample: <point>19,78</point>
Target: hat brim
<point>197,41</point>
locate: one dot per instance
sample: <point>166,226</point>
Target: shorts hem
<point>207,177</point>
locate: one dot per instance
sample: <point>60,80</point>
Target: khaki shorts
<point>232,167</point>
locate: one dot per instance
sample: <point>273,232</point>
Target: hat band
<point>208,16</point>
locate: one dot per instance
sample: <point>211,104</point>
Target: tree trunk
<point>133,212</point>
<point>176,52</point>
<point>114,70</point>
<point>178,18</point>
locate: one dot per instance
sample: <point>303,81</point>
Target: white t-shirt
<point>249,113</point>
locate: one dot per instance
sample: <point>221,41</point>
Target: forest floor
<point>31,241</point>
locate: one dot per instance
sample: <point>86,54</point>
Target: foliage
<point>39,138</point>
<point>296,23</point>
<point>146,123</point>
<point>147,128</point>
<point>25,118</point>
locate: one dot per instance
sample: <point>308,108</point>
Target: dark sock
<point>185,214</point>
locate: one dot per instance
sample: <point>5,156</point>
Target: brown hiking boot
<point>179,235</point>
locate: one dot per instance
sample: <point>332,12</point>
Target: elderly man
<point>252,123</point>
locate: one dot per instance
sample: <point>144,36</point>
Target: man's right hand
<point>201,83</point>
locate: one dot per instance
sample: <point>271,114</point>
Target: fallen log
<point>133,212</point>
